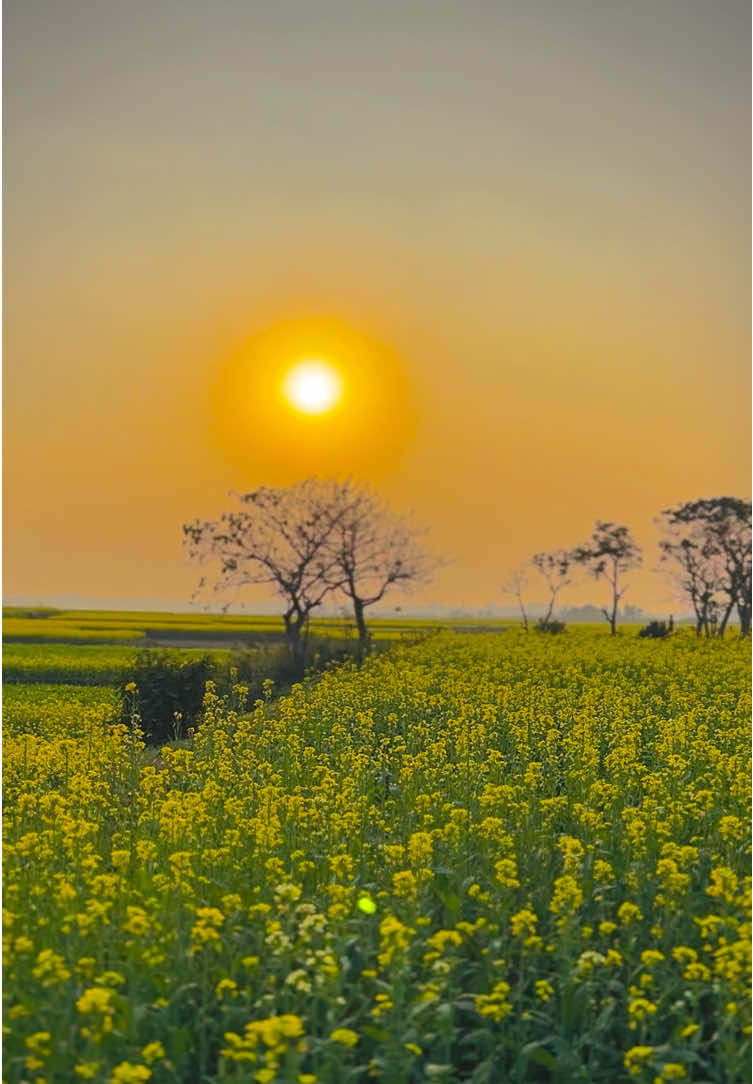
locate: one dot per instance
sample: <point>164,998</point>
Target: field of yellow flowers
<point>491,858</point>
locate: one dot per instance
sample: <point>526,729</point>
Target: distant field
<point>46,626</point>
<point>97,648</point>
<point>65,664</point>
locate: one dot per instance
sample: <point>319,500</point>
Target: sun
<point>312,386</point>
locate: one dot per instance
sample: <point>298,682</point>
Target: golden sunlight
<point>313,387</point>
<point>350,393</point>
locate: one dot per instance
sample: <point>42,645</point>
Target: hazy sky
<point>535,217</point>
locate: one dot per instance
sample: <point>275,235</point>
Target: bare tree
<point>372,550</point>
<point>555,567</point>
<point>515,585</point>
<point>708,548</point>
<point>609,552</point>
<point>278,536</point>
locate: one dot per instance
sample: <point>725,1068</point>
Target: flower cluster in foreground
<point>482,858</point>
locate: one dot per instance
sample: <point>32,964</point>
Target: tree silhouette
<point>707,545</point>
<point>278,536</point>
<point>609,552</point>
<point>372,550</point>
<point>555,567</point>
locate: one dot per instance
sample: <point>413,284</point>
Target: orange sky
<point>534,219</point>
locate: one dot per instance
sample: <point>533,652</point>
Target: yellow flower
<point>627,912</point>
<point>639,1008</point>
<point>225,985</point>
<point>404,884</point>
<point>153,1052</point>
<point>96,999</point>
<point>523,921</point>
<point>344,1036</point>
<point>649,957</point>
<point>636,1057</point>
<point>127,1073</point>
<point>87,1069</point>
<point>567,895</point>
<point>724,882</point>
<point>420,848</point>
<point>506,870</point>
<point>544,989</point>
<point>672,1070</point>
<point>137,921</point>
<point>495,1004</point>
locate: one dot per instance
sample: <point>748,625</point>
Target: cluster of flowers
<point>488,855</point>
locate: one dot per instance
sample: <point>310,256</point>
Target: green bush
<point>655,630</point>
<point>255,665</point>
<point>169,693</point>
<point>551,626</point>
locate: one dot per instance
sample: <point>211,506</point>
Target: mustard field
<point>43,625</point>
<point>483,858</point>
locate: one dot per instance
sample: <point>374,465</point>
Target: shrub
<point>254,665</point>
<point>169,693</point>
<point>655,630</point>
<point>551,625</point>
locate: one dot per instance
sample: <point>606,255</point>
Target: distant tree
<point>694,567</point>
<point>586,612</point>
<point>707,546</point>
<point>631,612</point>
<point>278,536</point>
<point>555,566</point>
<point>610,552</point>
<point>515,585</point>
<point>370,551</point>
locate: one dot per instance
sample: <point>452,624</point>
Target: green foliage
<point>168,694</point>
<point>259,663</point>
<point>552,626</point>
<point>655,630</point>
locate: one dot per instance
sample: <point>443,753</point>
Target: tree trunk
<point>296,646</point>
<point>744,614</point>
<point>725,619</point>
<point>615,598</point>
<point>363,632</point>
<point>611,617</point>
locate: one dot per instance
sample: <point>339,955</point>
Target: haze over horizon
<point>526,228</point>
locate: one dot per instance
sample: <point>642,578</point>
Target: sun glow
<point>313,387</point>
<point>342,397</point>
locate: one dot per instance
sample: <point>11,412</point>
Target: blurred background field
<point>98,647</point>
<point>71,666</point>
<point>44,625</point>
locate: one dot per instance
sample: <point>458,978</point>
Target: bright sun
<point>312,387</point>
